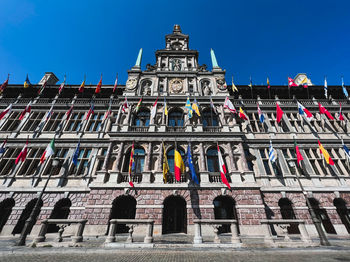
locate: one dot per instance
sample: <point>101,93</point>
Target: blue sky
<point>258,38</point>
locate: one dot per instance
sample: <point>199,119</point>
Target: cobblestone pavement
<point>181,255</point>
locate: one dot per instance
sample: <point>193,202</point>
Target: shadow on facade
<point>287,212</point>
<point>343,212</point>
<point>322,215</point>
<point>5,211</point>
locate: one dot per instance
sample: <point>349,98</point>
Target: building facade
<point>97,187</point>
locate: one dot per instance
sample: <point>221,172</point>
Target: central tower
<point>176,72</point>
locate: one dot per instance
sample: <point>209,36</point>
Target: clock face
<point>131,83</point>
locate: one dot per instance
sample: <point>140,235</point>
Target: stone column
<point>107,157</point>
<point>242,156</point>
<point>160,163</point>
<point>118,115</point>
<point>148,157</point>
<point>232,160</point>
<point>119,157</point>
<point>202,170</point>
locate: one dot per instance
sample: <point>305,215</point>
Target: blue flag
<point>347,150</point>
<point>190,165</point>
<point>76,154</point>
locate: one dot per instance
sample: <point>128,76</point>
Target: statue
<point>202,68</point>
<point>146,91</point>
<point>206,88</point>
<point>176,64</point>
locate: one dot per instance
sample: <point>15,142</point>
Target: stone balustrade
<point>131,223</point>
<point>62,223</point>
<point>216,223</point>
<point>284,224</point>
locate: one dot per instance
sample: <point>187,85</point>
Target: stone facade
<point>97,188</point>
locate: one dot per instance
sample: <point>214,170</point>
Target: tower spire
<point>213,59</point>
<point>139,58</point>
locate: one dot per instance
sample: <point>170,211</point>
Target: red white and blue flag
<point>3,146</point>
<point>261,115</point>
<point>304,112</point>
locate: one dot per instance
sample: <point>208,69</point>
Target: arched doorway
<point>224,208</point>
<point>322,215</point>
<point>25,215</point>
<point>5,211</point>
<point>60,211</point>
<point>174,215</point>
<point>123,207</point>
<point>287,212</point>
<point>343,212</point>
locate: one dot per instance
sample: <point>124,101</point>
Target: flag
<point>189,108</point>
<point>62,85</point>
<point>27,82</point>
<point>242,114</point>
<point>223,169</point>
<point>304,112</point>
<point>131,164</point>
<point>138,105</point>
<point>250,82</point>
<point>346,94</point>
<point>346,149</point>
<point>304,82</point>
<point>81,88</point>
<point>76,154</point>
<point>49,151</point>
<point>291,82</point>
<point>323,110</point>
<point>3,146</point>
<point>165,165</point>
<point>234,87</point>
<point>212,105</point>
<point>23,154</point>
<point>189,164</point>
<point>109,111</point>
<point>228,104</point>
<point>165,108</point>
<point>195,107</point>
<point>297,152</point>
<point>325,154</point>
<point>91,110</point>
<point>44,120</point>
<point>7,110</point>
<point>261,115</point>
<point>42,87</point>
<point>179,166</point>
<point>26,109</point>
<point>5,84</point>
<point>268,83</point>
<point>272,153</point>
<point>98,87</point>
<point>154,109</point>
<point>341,117</point>
<point>115,84</point>
<point>279,113</point>
<point>125,105</point>
<point>325,88</point>
<point>66,117</point>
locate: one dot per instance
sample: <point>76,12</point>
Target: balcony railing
<point>136,178</point>
<point>215,177</point>
<point>171,178</point>
<point>138,128</point>
<point>212,129</point>
<point>175,128</point>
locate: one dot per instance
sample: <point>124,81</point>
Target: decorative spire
<point>177,29</point>
<point>139,58</point>
<point>213,59</point>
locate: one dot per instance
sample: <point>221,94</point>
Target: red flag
<point>341,117</point>
<point>222,169</point>
<point>115,84</point>
<point>131,164</point>
<point>279,113</point>
<point>7,110</point>
<point>324,111</point>
<point>297,151</point>
<point>91,110</point>
<point>291,82</point>
<point>125,105</point>
<point>4,85</point>
<point>98,87</point>
<point>23,154</point>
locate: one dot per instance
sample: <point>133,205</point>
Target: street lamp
<point>323,238</point>
<point>35,212</point>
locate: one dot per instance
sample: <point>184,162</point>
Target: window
<point>255,124</point>
<point>33,122</point>
<point>32,163</point>
<point>12,122</point>
<point>278,127</point>
<point>320,165</point>
<point>60,155</point>
<point>95,122</point>
<point>75,121</point>
<point>142,118</point>
<point>54,121</point>
<point>209,118</point>
<point>212,160</point>
<point>7,162</point>
<point>291,159</point>
<point>249,157</point>
<point>270,168</point>
<point>139,159</point>
<point>295,121</point>
<point>176,118</point>
<point>82,166</point>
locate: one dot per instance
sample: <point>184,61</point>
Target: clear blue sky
<point>258,38</point>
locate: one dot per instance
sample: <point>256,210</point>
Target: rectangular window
<point>82,166</point>
<point>75,121</point>
<point>12,122</point>
<point>54,121</point>
<point>95,122</point>
<point>7,162</point>
<point>33,122</point>
<point>31,165</point>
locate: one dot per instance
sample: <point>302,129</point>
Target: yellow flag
<point>165,165</point>
<point>234,88</point>
<point>195,107</point>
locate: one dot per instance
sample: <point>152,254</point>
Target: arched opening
<point>123,207</point>
<point>60,211</point>
<point>224,208</point>
<point>209,118</point>
<point>25,215</point>
<point>139,159</point>
<point>176,117</point>
<point>142,118</point>
<point>322,215</point>
<point>174,215</point>
<point>287,212</point>
<point>343,212</point>
<point>5,211</point>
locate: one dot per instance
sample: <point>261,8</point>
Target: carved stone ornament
<point>156,149</point>
<point>221,83</point>
<point>131,83</point>
<point>176,85</point>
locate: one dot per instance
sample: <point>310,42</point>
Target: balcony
<point>175,129</point>
<point>215,177</point>
<point>138,128</point>
<point>124,177</point>
<point>171,178</point>
<point>212,129</point>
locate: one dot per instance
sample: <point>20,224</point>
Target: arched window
<point>176,118</point>
<point>213,160</point>
<point>139,159</point>
<point>170,156</point>
<point>209,118</point>
<point>142,118</point>
<point>123,207</point>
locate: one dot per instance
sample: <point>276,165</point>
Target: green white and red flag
<point>49,151</point>
<point>138,106</point>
